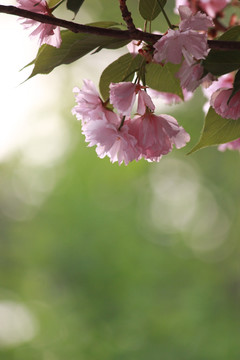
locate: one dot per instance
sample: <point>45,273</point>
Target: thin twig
<point>118,34</point>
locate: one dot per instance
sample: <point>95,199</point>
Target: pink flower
<point>175,44</point>
<point>224,81</point>
<point>232,145</point>
<point>46,33</point>
<point>199,21</point>
<point>186,41</point>
<point>89,105</point>
<point>117,136</point>
<point>211,7</point>
<point>225,108</point>
<point>156,135</point>
<point>112,141</point>
<point>191,76</point>
<point>123,95</point>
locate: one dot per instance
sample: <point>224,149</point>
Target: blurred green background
<point>105,262</point>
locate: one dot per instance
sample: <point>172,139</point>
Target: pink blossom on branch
<point>224,81</point>
<point>46,33</point>
<point>176,44</point>
<point>123,95</point>
<point>121,138</point>
<point>156,135</point>
<point>186,42</point>
<point>111,140</point>
<point>192,76</point>
<point>189,21</point>
<point>89,104</point>
<point>225,108</point>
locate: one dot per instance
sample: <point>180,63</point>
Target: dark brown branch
<point>126,15</point>
<point>118,34</point>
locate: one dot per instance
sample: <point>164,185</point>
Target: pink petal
<point>225,108</point>
<point>122,96</point>
<point>144,101</point>
<point>199,21</point>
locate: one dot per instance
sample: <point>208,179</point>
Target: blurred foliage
<point>87,264</point>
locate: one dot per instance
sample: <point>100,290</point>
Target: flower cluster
<point>45,33</point>
<point>118,135</point>
<point>188,42</point>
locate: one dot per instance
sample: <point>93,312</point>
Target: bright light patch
<point>17,324</point>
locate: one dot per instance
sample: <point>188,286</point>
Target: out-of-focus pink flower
<point>133,47</point>
<point>191,76</point>
<point>211,7</point>
<point>46,33</point>
<point>224,81</point>
<point>169,98</point>
<point>156,135</point>
<point>232,145</point>
<point>89,105</point>
<point>225,108</point>
<point>123,95</point>
<point>180,3</point>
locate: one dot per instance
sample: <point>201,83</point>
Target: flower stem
<point>122,122</point>
<point>165,15</point>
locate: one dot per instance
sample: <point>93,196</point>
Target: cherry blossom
<point>224,81</point>
<point>186,41</point>
<point>232,145</point>
<point>118,136</point>
<point>191,76</point>
<point>89,104</point>
<point>176,44</point>
<point>211,7</point>
<point>45,33</point>
<point>225,108</point>
<point>112,140</point>
<point>156,135</point>
<point>123,95</point>
<point>189,21</point>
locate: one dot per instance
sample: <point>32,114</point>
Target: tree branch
<point>126,15</point>
<point>134,34</point>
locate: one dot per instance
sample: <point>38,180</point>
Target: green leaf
<point>73,47</point>
<point>220,62</point>
<point>74,5</point>
<point>150,9</point>
<point>52,3</point>
<point>122,69</point>
<point>217,131</point>
<point>163,78</point>
<point>232,34</point>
